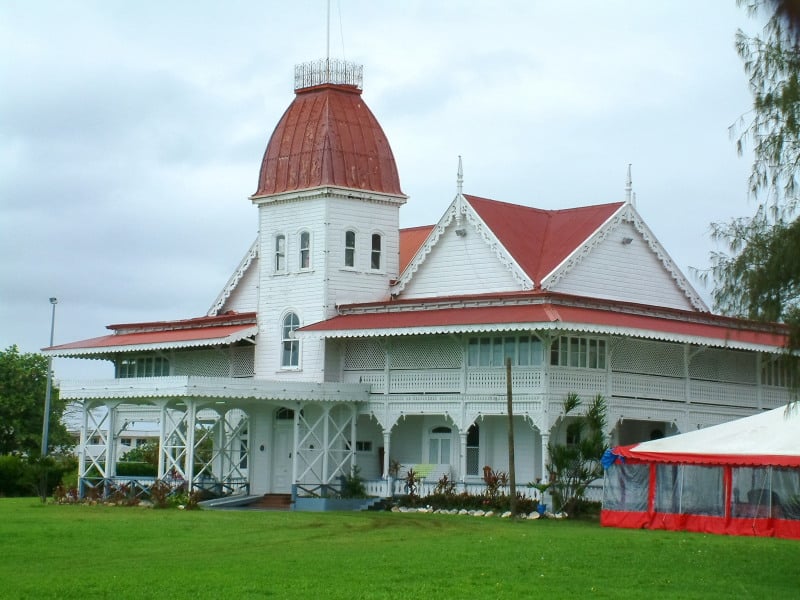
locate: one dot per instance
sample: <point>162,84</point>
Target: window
<point>143,366</point>
<point>290,354</point>
<point>579,352</point>
<point>376,251</point>
<point>305,250</point>
<point>280,253</point>
<point>364,446</point>
<point>574,431</point>
<point>349,248</point>
<point>439,446</point>
<point>125,441</point>
<point>284,414</point>
<point>524,351</point>
<point>473,450</point>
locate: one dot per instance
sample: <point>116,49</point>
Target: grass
<point>51,551</point>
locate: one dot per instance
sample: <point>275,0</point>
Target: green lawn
<point>112,552</point>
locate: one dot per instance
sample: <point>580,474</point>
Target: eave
<point>547,312</point>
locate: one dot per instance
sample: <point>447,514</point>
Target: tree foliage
<point>23,383</point>
<point>758,276</point>
<point>576,464</point>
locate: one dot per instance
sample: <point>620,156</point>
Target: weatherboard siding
<point>460,265</point>
<point>244,297</point>
<point>626,272</point>
<point>314,293</point>
<point>361,283</point>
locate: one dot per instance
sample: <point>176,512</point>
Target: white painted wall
<point>460,265</point>
<point>244,297</point>
<point>313,293</point>
<point>626,272</point>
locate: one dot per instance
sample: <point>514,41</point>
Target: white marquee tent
<point>741,477</point>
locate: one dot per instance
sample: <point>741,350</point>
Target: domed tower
<point>328,199</point>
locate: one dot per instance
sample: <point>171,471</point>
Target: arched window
<point>290,345</point>
<point>376,251</point>
<point>305,250</point>
<point>439,446</point>
<point>349,248</point>
<point>284,414</point>
<point>280,253</point>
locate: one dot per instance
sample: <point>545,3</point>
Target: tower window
<point>280,253</point>
<point>350,249</point>
<point>376,251</point>
<point>290,345</point>
<point>305,250</point>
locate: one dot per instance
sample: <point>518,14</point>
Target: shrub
<point>12,468</point>
<point>353,485</point>
<point>136,469</point>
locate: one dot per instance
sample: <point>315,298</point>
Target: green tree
<point>758,275</point>
<point>23,381</point>
<point>576,463</point>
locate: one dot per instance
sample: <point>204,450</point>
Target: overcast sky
<point>131,133</point>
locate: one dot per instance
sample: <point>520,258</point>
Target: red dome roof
<point>328,136</point>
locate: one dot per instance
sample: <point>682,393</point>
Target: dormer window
<point>350,248</point>
<point>280,253</point>
<point>305,250</point>
<point>375,258</point>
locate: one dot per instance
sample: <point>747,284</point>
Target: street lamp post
<point>46,420</point>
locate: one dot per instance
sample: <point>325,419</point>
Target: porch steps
<point>272,502</point>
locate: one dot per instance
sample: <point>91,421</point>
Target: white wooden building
<point>342,340</point>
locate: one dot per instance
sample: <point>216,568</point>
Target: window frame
<point>304,250</point>
<point>290,344</point>
<point>579,352</point>
<point>134,367</point>
<point>350,248</point>
<point>489,351</point>
<point>376,254</point>
<point>279,253</point>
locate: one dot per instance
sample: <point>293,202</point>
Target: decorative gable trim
<point>234,280</point>
<point>459,210</point>
<point>626,214</point>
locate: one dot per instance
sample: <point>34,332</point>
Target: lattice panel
<point>724,365</point>
<point>647,358</point>
<point>364,354</point>
<point>204,363</point>
<point>426,353</point>
<point>243,361</point>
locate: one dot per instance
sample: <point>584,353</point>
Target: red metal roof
<point>602,316</point>
<point>410,241</point>
<point>328,136</point>
<point>189,332</point>
<point>539,240</point>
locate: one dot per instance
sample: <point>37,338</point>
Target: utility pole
<point>512,478</point>
<point>46,419</point>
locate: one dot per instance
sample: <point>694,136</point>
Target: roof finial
<point>460,177</point>
<point>459,198</point>
<point>628,186</point>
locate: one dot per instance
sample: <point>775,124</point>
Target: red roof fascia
<point>630,454</point>
<point>155,337</point>
<point>542,313</point>
<point>539,240</point>
<point>410,241</point>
